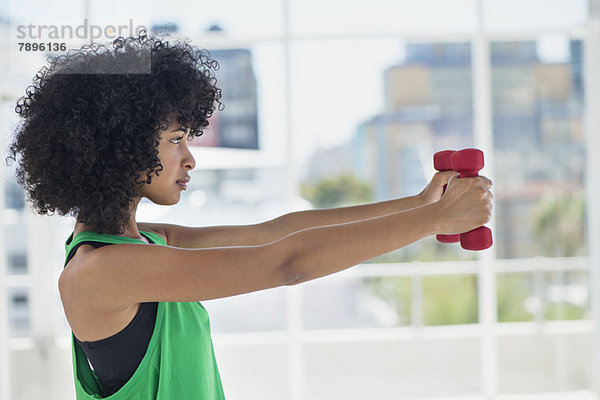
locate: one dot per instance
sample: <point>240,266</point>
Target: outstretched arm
<point>269,231</point>
<point>116,276</point>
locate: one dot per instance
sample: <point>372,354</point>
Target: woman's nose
<point>189,160</point>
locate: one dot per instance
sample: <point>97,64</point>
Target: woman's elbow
<point>293,277</point>
<point>289,271</point>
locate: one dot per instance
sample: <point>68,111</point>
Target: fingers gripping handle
<point>442,161</point>
<point>469,162</point>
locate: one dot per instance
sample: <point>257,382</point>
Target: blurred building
<point>237,125</point>
<point>537,128</point>
<point>538,138</point>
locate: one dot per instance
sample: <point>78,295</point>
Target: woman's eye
<point>177,140</point>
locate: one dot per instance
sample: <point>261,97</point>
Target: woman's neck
<point>130,231</point>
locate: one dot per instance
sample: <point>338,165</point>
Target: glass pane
<point>394,291</point>
<point>450,300</point>
<point>354,303</point>
<point>12,217</point>
<point>15,195</point>
<point>334,89</point>
<point>236,126</point>
<point>16,242</point>
<point>566,295</point>
<point>19,319</point>
<point>253,312</point>
<point>517,299</point>
<point>534,14</point>
<point>323,17</point>
<point>537,99</point>
<point>379,123</point>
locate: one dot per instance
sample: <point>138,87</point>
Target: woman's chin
<point>166,201</point>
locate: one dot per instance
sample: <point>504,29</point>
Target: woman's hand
<point>466,204</point>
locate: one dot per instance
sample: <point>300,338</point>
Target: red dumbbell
<point>442,161</point>
<point>468,162</point>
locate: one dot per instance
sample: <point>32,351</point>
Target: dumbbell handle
<point>469,162</point>
<point>442,161</point>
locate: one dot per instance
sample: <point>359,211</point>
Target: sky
<point>337,76</point>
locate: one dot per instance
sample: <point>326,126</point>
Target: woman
<point>92,144</point>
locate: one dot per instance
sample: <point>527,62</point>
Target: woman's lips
<point>182,183</point>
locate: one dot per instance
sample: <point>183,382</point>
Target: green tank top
<point>179,362</point>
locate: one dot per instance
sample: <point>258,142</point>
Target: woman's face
<point>176,160</point>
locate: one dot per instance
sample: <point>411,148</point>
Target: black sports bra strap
<point>96,244</point>
<point>74,249</point>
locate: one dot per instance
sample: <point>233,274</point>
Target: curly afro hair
<point>90,124</point>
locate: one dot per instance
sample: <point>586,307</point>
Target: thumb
<point>453,178</point>
<point>442,177</point>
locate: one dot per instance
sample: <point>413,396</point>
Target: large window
<point>332,103</point>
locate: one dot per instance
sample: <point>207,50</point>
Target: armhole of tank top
<point>87,381</point>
